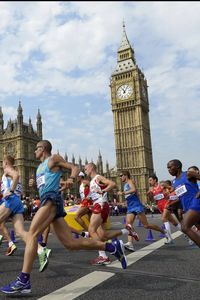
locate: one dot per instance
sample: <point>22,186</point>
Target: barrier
<point>69,218</point>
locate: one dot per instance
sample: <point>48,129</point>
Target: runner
<point>52,212</point>
<point>157,192</point>
<point>186,188</point>
<point>99,187</point>
<point>86,202</point>
<point>134,207</point>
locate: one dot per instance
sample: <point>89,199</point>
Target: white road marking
<point>79,287</point>
<point>88,282</point>
<point>135,256</point>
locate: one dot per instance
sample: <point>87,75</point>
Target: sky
<point>59,56</point>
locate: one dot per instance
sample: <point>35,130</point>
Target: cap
<point>81,174</point>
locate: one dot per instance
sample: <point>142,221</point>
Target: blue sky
<point>59,56</point>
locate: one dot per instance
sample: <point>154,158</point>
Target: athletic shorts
<point>57,200</point>
<point>14,203</point>
<point>86,203</point>
<point>195,205</point>
<point>136,209</point>
<point>102,209</point>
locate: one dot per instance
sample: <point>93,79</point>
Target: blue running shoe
<point>17,286</point>
<point>119,252</point>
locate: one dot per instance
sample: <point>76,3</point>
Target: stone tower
<point>19,139</point>
<point>130,107</point>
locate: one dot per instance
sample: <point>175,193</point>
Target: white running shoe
<point>129,247</point>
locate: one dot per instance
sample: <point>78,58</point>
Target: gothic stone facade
<point>19,140</point>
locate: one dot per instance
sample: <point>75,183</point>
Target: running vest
<point>94,188</point>
<point>84,191</point>
<point>157,192</point>
<point>6,184</point>
<point>185,190</point>
<point>47,181</point>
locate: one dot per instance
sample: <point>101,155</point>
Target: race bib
<point>180,190</point>
<point>172,198</point>
<point>18,189</point>
<point>40,180</point>
<point>158,197</point>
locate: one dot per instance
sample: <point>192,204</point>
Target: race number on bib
<point>180,190</point>
<point>158,197</point>
<point>40,180</point>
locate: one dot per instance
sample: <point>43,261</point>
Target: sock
<point>10,243</point>
<point>40,239</point>
<point>110,248</point>
<point>24,277</point>
<point>103,254</point>
<point>168,228</point>
<point>124,231</point>
<point>40,250</point>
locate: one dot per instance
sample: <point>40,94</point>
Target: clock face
<point>124,91</point>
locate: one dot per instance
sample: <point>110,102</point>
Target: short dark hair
<point>154,177</point>
<point>177,163</point>
<point>47,145</point>
<point>10,159</point>
<point>126,173</point>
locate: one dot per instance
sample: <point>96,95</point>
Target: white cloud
<point>69,49</point>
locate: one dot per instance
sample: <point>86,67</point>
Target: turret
<point>1,121</point>
<point>39,125</point>
<point>20,117</point>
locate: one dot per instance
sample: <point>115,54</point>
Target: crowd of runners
<point>177,200</point>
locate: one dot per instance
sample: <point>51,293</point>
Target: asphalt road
<point>155,271</point>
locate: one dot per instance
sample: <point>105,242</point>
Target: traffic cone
<point>12,236</point>
<point>150,236</point>
<point>162,235</point>
<point>124,221</point>
<point>139,223</point>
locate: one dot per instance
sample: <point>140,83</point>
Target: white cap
<point>81,174</point>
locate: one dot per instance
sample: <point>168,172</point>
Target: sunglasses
<point>121,175</point>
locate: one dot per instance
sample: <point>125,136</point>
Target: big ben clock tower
<point>130,107</point>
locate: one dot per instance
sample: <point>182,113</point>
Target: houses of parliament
<point>130,107</point>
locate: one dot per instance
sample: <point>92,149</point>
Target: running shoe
<point>1,239</point>
<point>132,232</point>
<point>100,260</point>
<point>129,247</point>
<point>17,286</point>
<point>119,252</point>
<point>11,250</point>
<point>43,260</point>
<point>169,242</point>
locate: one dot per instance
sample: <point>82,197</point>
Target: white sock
<point>10,243</point>
<point>168,228</point>
<point>103,254</point>
<point>40,250</point>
